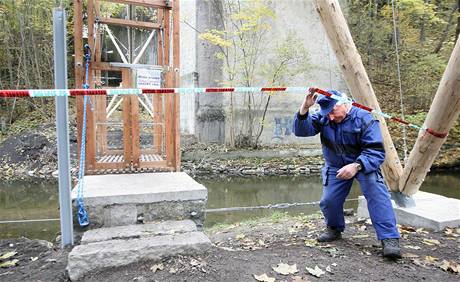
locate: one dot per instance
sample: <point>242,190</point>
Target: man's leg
<point>334,193</point>
<point>379,205</point>
<point>381,212</point>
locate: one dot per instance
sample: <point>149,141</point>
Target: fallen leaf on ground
<point>227,249</point>
<point>264,278</point>
<point>431,242</point>
<point>285,269</point>
<point>360,236</point>
<point>311,243</point>
<point>7,255</point>
<point>240,236</point>
<point>332,252</point>
<point>329,269</point>
<point>33,258</point>
<point>418,262</point>
<point>362,228</point>
<point>316,271</point>
<point>409,255</point>
<point>450,266</point>
<point>430,259</point>
<point>407,229</point>
<point>261,242</point>
<point>299,279</point>
<point>172,270</point>
<point>9,263</point>
<point>156,267</point>
<point>412,247</point>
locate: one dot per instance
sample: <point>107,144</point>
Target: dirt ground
<point>253,248</point>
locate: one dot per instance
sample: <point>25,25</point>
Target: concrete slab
<point>138,231</point>
<point>140,188</point>
<point>431,211</point>
<point>113,253</point>
<point>126,199</point>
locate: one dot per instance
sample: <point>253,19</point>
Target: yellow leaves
<point>450,266</point>
<point>215,37</point>
<point>412,247</point>
<point>315,271</point>
<point>9,263</point>
<point>156,267</point>
<point>311,243</point>
<point>285,269</point>
<point>431,242</point>
<point>264,278</point>
<point>7,255</point>
<point>360,236</point>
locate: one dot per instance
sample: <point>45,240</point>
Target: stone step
<point>124,199</point>
<point>138,231</point>
<point>113,253</point>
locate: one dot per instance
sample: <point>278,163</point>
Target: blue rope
<point>82,215</point>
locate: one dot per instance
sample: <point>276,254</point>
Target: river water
<point>21,200</point>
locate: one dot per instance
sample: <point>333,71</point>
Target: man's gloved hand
<point>347,172</point>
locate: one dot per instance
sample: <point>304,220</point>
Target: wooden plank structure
<point>128,133</point>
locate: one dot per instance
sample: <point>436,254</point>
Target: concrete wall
<point>188,70</point>
<point>212,112</point>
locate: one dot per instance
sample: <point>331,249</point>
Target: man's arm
<point>373,152</point>
<point>306,124</point>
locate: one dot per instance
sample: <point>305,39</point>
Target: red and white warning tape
<point>136,91</point>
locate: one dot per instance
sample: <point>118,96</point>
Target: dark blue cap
<point>326,103</point>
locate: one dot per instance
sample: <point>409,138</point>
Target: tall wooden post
<point>176,66</point>
<point>356,77</point>
<point>443,113</point>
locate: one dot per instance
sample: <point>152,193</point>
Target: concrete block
<point>123,199</point>
<point>138,231</point>
<point>431,211</point>
<point>99,255</point>
<point>116,215</point>
<point>112,189</point>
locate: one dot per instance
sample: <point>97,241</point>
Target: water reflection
<point>26,200</point>
<point>244,192</point>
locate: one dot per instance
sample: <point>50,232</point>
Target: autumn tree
<point>249,59</point>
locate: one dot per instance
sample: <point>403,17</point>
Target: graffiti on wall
<point>283,128</point>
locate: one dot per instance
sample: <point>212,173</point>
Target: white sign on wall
<point>147,78</point>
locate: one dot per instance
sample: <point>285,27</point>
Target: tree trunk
<point>457,30</point>
<point>442,115</point>
<point>356,77</point>
<point>446,29</point>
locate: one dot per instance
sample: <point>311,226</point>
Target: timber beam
<point>161,4</point>
<point>130,23</point>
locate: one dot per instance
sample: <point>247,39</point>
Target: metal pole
<point>62,126</point>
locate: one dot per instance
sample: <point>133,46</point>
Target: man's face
<point>338,114</point>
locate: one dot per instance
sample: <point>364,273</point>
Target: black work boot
<point>331,234</point>
<point>391,248</point>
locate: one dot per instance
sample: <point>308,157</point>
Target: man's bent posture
<point>352,148</point>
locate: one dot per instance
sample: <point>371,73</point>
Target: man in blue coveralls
<point>353,148</point>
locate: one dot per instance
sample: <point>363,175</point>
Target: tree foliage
<point>425,33</point>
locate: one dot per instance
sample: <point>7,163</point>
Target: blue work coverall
<point>356,139</point>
